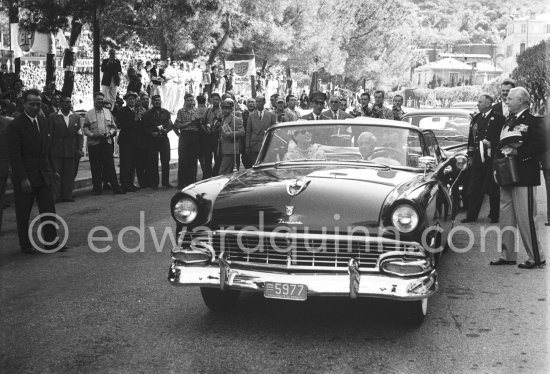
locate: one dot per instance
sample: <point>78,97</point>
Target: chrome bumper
<point>353,284</point>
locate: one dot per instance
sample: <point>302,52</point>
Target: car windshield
<point>449,129</point>
<point>379,145</point>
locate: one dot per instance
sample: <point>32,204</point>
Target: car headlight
<point>404,218</point>
<point>185,210</point>
<point>406,267</point>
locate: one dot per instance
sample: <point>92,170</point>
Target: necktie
<point>335,115</point>
<point>260,115</point>
<point>36,125</point>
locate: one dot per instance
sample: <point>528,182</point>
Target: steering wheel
<point>388,152</point>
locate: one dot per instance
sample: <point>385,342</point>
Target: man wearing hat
<point>258,121</point>
<point>485,127</point>
<point>517,201</point>
<point>318,104</point>
<point>231,131</point>
<point>131,143</point>
<point>187,127</point>
<point>280,109</point>
<point>318,100</point>
<point>157,124</point>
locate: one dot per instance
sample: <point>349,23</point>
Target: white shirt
<point>65,117</point>
<point>505,110</point>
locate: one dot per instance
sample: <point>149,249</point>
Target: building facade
<point>522,33</point>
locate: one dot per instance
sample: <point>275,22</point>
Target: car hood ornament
<point>294,187</point>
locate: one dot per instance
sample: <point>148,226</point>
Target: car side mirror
<point>428,162</point>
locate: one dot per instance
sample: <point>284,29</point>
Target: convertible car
<point>356,208</point>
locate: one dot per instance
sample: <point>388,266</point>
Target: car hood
<point>330,197</point>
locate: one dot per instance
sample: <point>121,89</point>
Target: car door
<point>444,174</point>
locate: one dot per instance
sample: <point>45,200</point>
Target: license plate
<point>288,291</point>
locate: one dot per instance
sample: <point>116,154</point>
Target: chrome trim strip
<point>370,285</point>
<point>286,236</point>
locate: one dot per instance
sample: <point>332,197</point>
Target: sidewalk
<point>83,180</point>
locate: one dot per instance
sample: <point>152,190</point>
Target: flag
<point>23,41</point>
<point>242,68</point>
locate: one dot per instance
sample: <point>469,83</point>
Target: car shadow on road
<point>254,312</point>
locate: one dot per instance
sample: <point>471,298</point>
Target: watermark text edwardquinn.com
<point>102,239</point>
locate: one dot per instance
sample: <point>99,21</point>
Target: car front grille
<point>321,252</point>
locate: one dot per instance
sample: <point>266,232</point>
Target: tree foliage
<point>368,40</point>
<point>533,72</point>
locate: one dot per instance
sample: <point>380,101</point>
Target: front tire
<point>414,312</point>
<point>219,301</point>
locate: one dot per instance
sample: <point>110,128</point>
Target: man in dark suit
<point>484,132</point>
<point>4,161</point>
<point>29,143</point>
<point>131,141</point>
<point>517,201</point>
<point>258,122</point>
<point>67,142</point>
<point>501,107</point>
<point>112,70</point>
<point>157,124</point>
<point>250,108</point>
<point>334,111</point>
<point>231,131</point>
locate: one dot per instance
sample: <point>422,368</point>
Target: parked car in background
<point>470,106</point>
<point>451,128</point>
<point>322,213</point>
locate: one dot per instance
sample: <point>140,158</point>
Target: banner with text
<point>242,68</point>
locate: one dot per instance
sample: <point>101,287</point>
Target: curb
<point>82,184</point>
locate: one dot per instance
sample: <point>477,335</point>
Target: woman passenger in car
<point>304,149</point>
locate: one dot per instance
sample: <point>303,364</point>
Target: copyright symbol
<point>48,219</point>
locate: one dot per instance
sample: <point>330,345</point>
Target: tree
<point>50,16</point>
<point>532,73</point>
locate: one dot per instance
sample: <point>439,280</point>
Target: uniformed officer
<point>518,202</point>
<point>323,135</point>
<point>484,131</point>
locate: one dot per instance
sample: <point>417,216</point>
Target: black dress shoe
<point>29,250</point>
<point>167,185</point>
<point>531,265</point>
<point>106,186</point>
<point>502,261</point>
<point>119,191</point>
<point>154,188</point>
<point>494,220</point>
<point>97,192</point>
<point>467,220</point>
<point>547,223</point>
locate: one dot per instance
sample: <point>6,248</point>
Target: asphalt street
<point>115,312</point>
